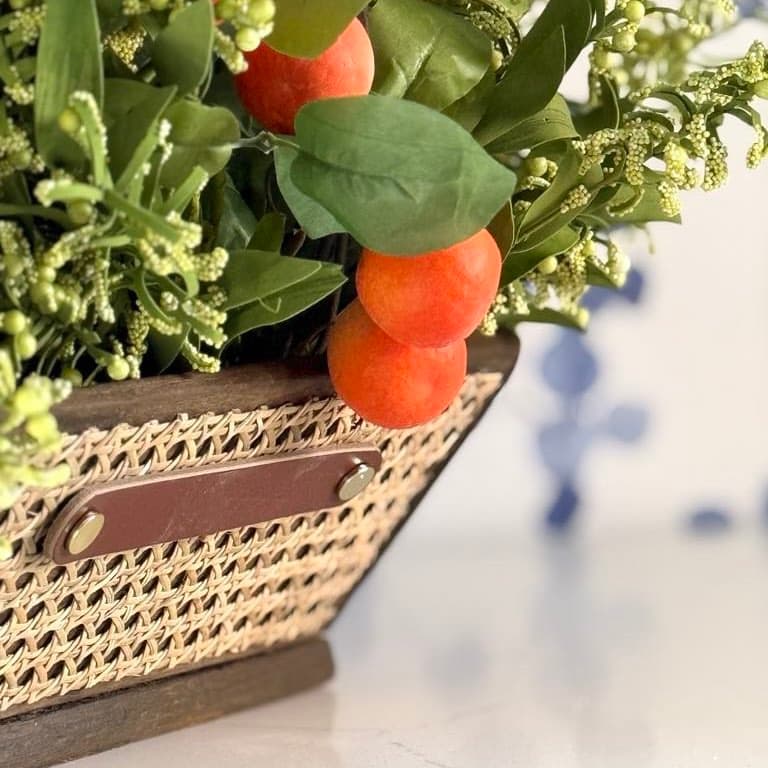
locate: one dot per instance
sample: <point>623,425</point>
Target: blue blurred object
<point>709,520</point>
<point>571,369</point>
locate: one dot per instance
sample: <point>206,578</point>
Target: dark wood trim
<point>76,729</point>
<point>239,388</point>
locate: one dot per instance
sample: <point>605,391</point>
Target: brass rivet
<point>355,481</point>
<point>84,532</point>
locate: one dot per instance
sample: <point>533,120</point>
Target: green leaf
<point>596,275</point>
<point>426,53</point>
<point>138,121</point>
<point>606,115</point>
<point>534,75</point>
<point>469,110</point>
<point>400,177</point>
<point>68,60</point>
<point>268,233</point>
<point>553,123</point>
<point>315,220</point>
<point>647,210</point>
<point>288,302</point>
<point>544,217</point>
<point>305,28</point>
<point>256,275</point>
<point>163,350</point>
<point>502,229</point>
<point>548,316</point>
<point>236,224</point>
<point>521,261</point>
<point>201,136</point>
<point>183,52</point>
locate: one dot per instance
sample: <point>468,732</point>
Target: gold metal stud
<point>85,532</point>
<point>355,481</point>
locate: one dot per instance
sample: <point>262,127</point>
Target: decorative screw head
<point>355,482</point>
<point>84,532</point>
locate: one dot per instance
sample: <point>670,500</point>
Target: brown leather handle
<point>156,509</point>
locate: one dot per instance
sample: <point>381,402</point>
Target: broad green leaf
<point>534,75</point>
<point>287,303</point>
<point>426,53</point>
<point>68,60</point>
<point>257,275</point>
<point>201,136</point>
<point>127,133</point>
<point>528,86</point>
<point>502,228</point>
<point>183,52</point>
<point>236,224</point>
<point>268,233</point>
<point>163,350</point>
<point>553,123</point>
<point>315,220</point>
<point>305,28</point>
<point>606,115</point>
<point>400,177</point>
<point>520,262</point>
<point>545,217</point>
<point>469,110</point>
<point>548,316</point>
<point>647,210</point>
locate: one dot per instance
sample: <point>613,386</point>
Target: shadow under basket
<point>200,547</point>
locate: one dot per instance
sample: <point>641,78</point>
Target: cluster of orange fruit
<point>397,355</point>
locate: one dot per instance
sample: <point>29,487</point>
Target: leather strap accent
<point>156,509</point>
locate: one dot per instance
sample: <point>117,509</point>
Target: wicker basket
<point>67,630</point>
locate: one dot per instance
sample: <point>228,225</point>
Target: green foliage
<point>425,52</point>
<point>307,27</point>
<point>398,176</point>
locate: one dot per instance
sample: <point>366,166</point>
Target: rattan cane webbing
<point>69,628</point>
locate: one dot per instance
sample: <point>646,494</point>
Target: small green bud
<point>158,5</point>
<point>497,59</point>
<point>17,5</point>
<point>79,211</point>
<point>634,11</point>
<point>761,89</point>
<point>602,57</point>
<point>247,39</point>
<point>537,166</point>
<point>582,317</point>
<point>14,321</point>
<point>118,368</point>
<point>26,345</point>
<point>590,249</point>
<point>69,121</point>
<point>624,41</point>
<point>226,9</point>
<point>260,12</point>
<point>73,376</point>
<point>549,265</point>
<point>682,42</point>
<point>6,549</point>
<point>42,428</point>
<point>29,401</point>
<point>46,274</point>
<point>20,159</point>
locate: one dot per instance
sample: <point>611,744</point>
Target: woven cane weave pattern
<point>68,628</point>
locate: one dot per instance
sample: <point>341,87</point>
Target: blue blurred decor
<point>571,369</point>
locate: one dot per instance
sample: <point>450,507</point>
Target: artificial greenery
<point>148,223</point>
